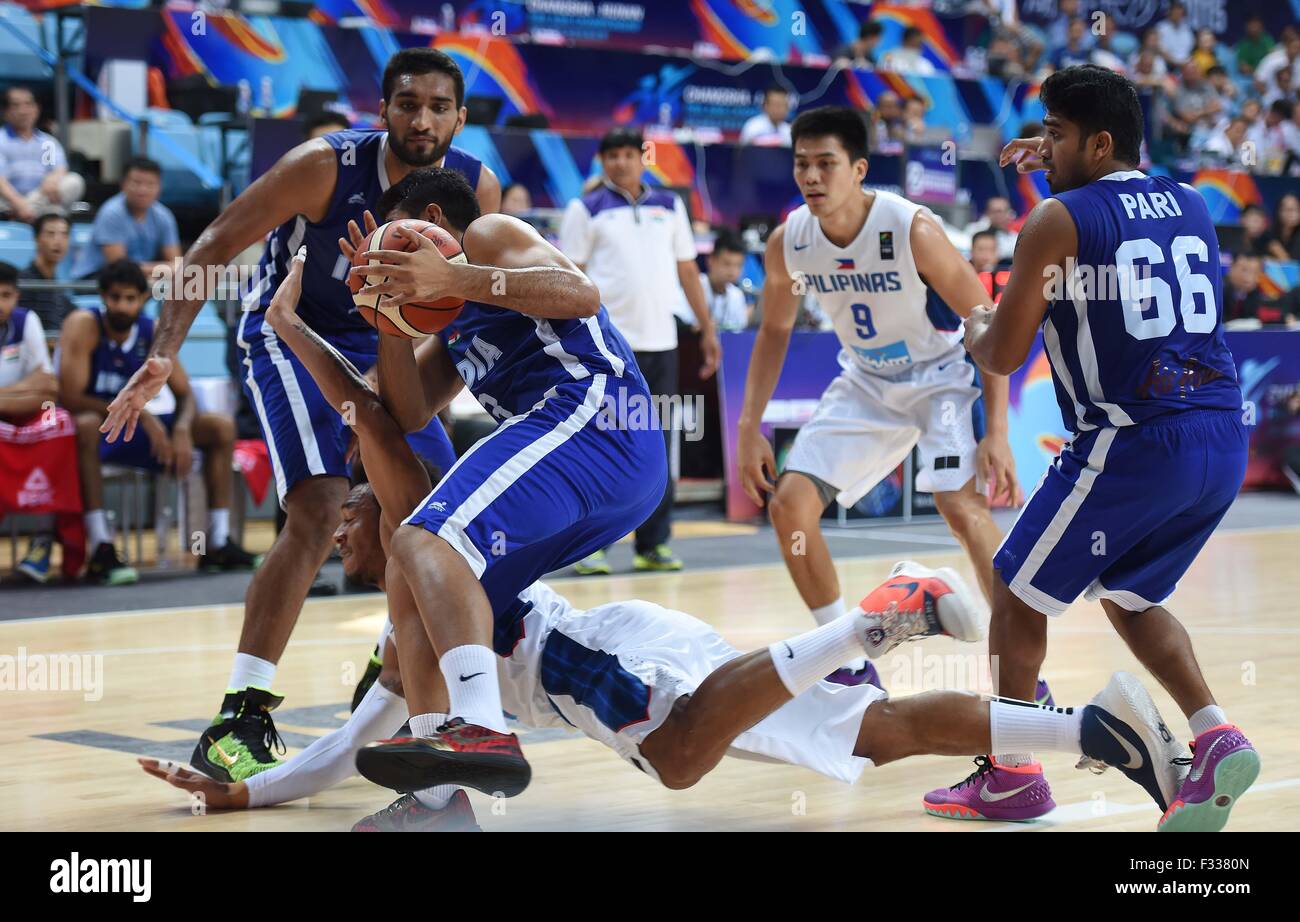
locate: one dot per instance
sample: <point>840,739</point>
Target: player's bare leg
<point>796,510</point>
<point>967,515</point>
<point>215,435</point>
<point>1162,645</point>
<point>472,748</point>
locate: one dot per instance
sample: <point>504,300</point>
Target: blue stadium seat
<point>17,61</point>
<point>16,245</point>
<point>180,186</point>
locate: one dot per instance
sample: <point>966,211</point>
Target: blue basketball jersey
<point>1139,333</point>
<point>112,364</point>
<point>326,304</point>
<point>509,360</point>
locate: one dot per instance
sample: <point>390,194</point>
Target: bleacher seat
<point>16,245</point>
<point>17,61</point>
<point>180,186</point>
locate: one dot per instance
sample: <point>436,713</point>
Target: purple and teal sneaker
<point>1043,695</point>
<point>1224,765</point>
<point>1004,793</point>
<point>867,675</point>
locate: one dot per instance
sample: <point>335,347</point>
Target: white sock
<point>437,797</point>
<point>1207,718</point>
<point>1021,727</point>
<point>471,675</point>
<point>218,528</point>
<point>251,671</point>
<point>828,613</point>
<point>97,531</point>
<point>803,661</point>
<point>427,724</point>
<point>1014,759</point>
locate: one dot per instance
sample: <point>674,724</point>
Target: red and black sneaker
<point>459,753</point>
<point>406,814</point>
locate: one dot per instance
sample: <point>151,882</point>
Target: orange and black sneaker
<point>406,814</point>
<point>459,753</point>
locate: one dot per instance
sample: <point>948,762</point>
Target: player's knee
<point>88,428</point>
<point>314,511</point>
<point>221,429</point>
<point>788,512</point>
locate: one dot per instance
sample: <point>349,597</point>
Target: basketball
<point>418,318</point>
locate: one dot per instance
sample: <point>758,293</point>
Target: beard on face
<point>411,157</point>
<point>119,322</point>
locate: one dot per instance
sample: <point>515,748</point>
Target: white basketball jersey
<point>882,310</point>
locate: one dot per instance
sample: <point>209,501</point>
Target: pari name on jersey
<point>846,277</point>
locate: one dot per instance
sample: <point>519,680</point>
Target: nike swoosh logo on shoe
<point>1199,770</point>
<point>222,753</point>
<point>994,798</point>
<point>1134,757</point>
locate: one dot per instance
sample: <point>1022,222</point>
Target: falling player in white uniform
<point>884,271</point>
<point>661,689</point>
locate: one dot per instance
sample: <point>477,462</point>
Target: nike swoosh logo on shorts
<point>1134,757</point>
<point>994,798</point>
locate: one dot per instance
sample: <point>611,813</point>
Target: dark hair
<point>622,136</point>
<point>728,240</point>
<point>833,121</point>
<point>123,272</point>
<point>449,189</point>
<point>1253,206</point>
<point>1097,99</point>
<point>39,224</point>
<point>1246,254</point>
<point>992,235</point>
<point>870,29</point>
<point>144,165</point>
<point>8,274</point>
<point>1283,108</point>
<point>416,61</point>
<point>774,88</point>
<point>321,119</point>
<point>18,86</point>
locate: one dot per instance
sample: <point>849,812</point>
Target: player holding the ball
<point>571,468</point>
<point>306,199</point>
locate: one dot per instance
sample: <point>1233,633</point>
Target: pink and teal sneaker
<point>1004,793</point>
<point>1224,765</point>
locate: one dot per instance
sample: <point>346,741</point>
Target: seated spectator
<point>1275,136</point>
<point>133,225</point>
<point>27,388</point>
<point>1282,87</point>
<point>1241,294</point>
<point>771,127</point>
<point>1177,40</point>
<point>1286,55</point>
<point>1005,59</point>
<point>1224,146</point>
<point>1254,222</point>
<point>1221,82</point>
<point>1148,71</point>
<point>516,199</point>
<point>997,218</point>
<point>1104,52</point>
<point>726,301</point>
<point>1285,244</point>
<point>1058,30</point>
<point>1195,105</point>
<point>909,58</point>
<point>1206,52</point>
<point>993,270</point>
<point>887,129</point>
<point>327,122</point>
<point>34,175</point>
<point>915,129</point>
<point>861,52</point>
<point>1075,51</point>
<point>51,247</point>
<point>1255,43</point>
<point>99,351</point>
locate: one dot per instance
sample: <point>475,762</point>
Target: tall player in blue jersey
<point>576,463</point>
<point>307,198</point>
<point>1149,390</point>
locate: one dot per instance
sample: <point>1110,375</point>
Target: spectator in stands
<point>1148,71</point>
<point>1286,55</point>
<point>1206,52</point>
<point>727,303</point>
<point>133,225</point>
<point>1275,136</point>
<point>1282,87</point>
<point>27,387</point>
<point>34,175</point>
<point>1177,40</point>
<point>1255,43</point>
<point>327,122</point>
<point>993,270</point>
<point>1256,236</point>
<point>99,350</point>
<point>861,52</point>
<point>516,199</point>
<point>51,307</point>
<point>1058,30</point>
<point>1005,59</point>
<point>915,130</point>
<point>1225,145</point>
<point>1241,295</point>
<point>1222,84</point>
<point>1195,105</point>
<point>635,243</point>
<point>1285,244</point>
<point>997,218</point>
<point>770,127</point>
<point>1075,51</point>
<point>1103,52</point>
<point>909,58</point>
<point>888,129</point>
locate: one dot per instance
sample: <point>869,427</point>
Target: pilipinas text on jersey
<point>1135,330</point>
<point>510,360</point>
<point>886,317</point>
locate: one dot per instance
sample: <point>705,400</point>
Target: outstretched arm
<point>511,265</point>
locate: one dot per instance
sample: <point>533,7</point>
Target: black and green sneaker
<point>660,558</point>
<point>229,557</point>
<point>238,743</point>
<point>373,668</point>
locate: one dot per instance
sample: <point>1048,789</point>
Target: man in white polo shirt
<point>634,241</point>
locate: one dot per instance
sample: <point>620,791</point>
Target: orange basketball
<point>419,317</point>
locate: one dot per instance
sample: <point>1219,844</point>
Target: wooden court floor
<point>67,757</point>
